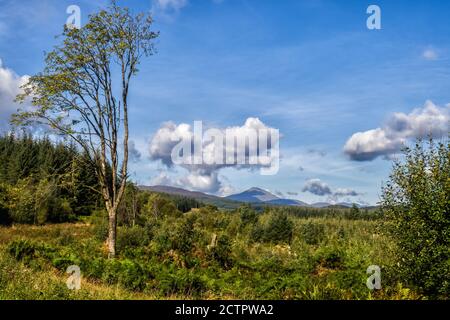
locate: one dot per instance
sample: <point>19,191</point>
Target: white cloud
<point>398,129</point>
<point>430,54</point>
<point>166,138</point>
<point>10,84</point>
<point>209,183</point>
<point>202,177</point>
<point>162,180</point>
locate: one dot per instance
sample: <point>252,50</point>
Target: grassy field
<point>326,258</point>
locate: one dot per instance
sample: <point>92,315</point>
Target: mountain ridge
<point>253,195</point>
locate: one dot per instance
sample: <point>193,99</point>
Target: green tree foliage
<point>248,215</point>
<point>185,235</point>
<point>43,181</point>
<point>221,252</point>
<point>355,212</point>
<point>279,229</point>
<point>158,207</point>
<point>82,93</point>
<point>5,217</point>
<point>416,205</point>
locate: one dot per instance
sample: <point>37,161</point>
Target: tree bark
<point>112,228</point>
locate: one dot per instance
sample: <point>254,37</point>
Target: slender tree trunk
<point>112,228</point>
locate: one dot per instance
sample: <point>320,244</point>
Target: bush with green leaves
<point>221,252</point>
<point>416,206</point>
<point>22,249</point>
<point>5,218</point>
<point>131,237</point>
<point>329,257</point>
<point>158,207</point>
<point>248,215</point>
<point>312,233</point>
<point>279,229</point>
<point>185,235</point>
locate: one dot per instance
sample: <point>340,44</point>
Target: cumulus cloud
<point>209,183</point>
<point>317,187</point>
<point>203,175</point>
<point>320,188</point>
<point>10,84</point>
<point>398,129</point>
<point>162,179</point>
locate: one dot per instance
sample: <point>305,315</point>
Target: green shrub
<point>22,250</point>
<point>22,202</point>
<point>5,218</point>
<point>221,252</point>
<point>100,222</point>
<point>248,216</point>
<point>279,229</point>
<point>180,281</point>
<point>185,235</point>
<point>312,233</point>
<point>131,237</point>
<point>158,207</point>
<point>62,263</point>
<point>330,257</point>
<point>416,205</point>
<point>60,210</point>
<point>257,233</point>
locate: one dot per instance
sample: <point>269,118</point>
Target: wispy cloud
<point>168,5</point>
<point>430,54</point>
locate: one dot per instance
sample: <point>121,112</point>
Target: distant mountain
<point>260,196</point>
<point>335,205</point>
<point>348,204</point>
<point>256,196</point>
<point>253,195</point>
<point>200,196</point>
<point>178,192</point>
<point>287,202</point>
<point>320,205</point>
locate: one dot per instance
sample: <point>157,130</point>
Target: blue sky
<point>309,68</point>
